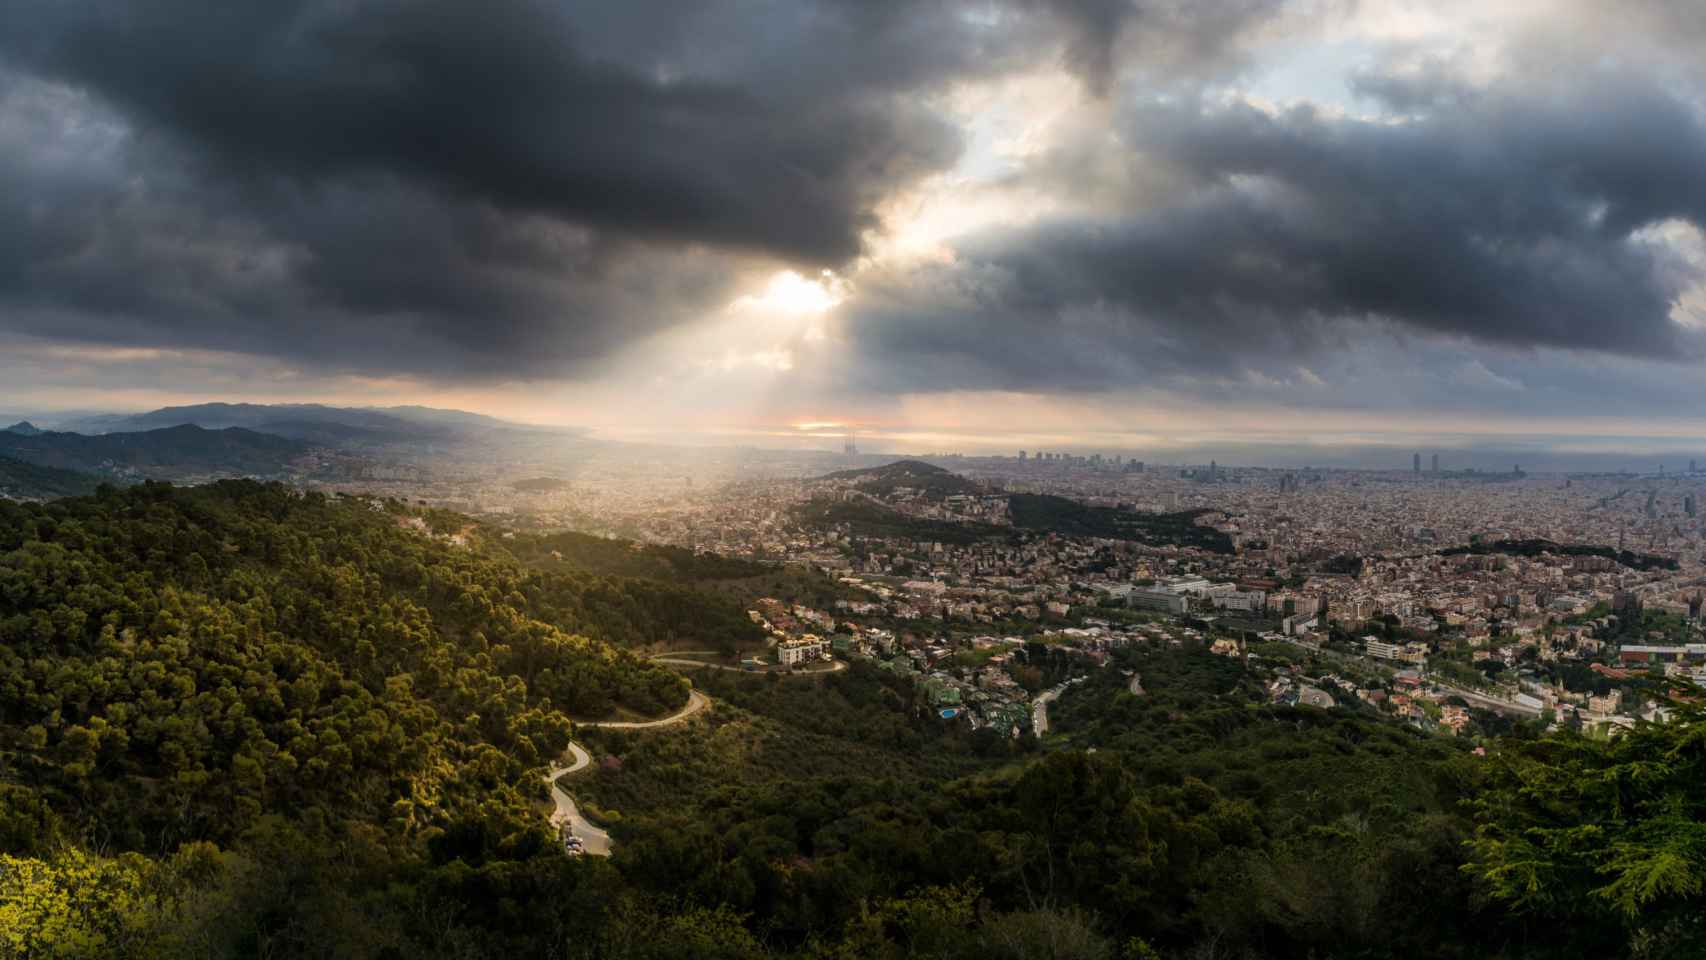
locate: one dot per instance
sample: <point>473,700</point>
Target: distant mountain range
<point>286,419</point>
<point>402,429</point>
<point>174,452</point>
<point>248,439</point>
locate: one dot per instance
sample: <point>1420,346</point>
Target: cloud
<point>514,188</point>
<point>512,103</point>
<point>471,194</point>
<point>1160,38</point>
<point>1521,217</point>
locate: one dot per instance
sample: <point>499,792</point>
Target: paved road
<point>598,842</point>
<point>1496,704</point>
<point>1039,712</point>
<point>679,662</point>
<point>696,702</point>
<point>1485,701</point>
<point>1039,706</point>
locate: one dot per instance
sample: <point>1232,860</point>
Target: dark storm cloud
<point>1515,218</point>
<point>513,187</point>
<point>455,189</point>
<point>511,103</point>
<point>1156,36</point>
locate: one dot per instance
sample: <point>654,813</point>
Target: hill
<point>23,428</point>
<point>318,422</point>
<point>182,451</point>
<point>220,652</point>
<point>1536,547</point>
<point>865,518</point>
<point>28,481</point>
<point>929,479</point>
<point>540,485</point>
<point>1050,514</point>
<point>253,416</point>
<point>608,557</point>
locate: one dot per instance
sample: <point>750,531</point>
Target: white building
<point>1382,649</point>
<point>802,650</point>
<point>1248,601</point>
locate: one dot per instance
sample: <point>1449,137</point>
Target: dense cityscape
<point>1433,596</point>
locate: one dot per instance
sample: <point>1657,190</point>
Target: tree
<point>1605,841</point>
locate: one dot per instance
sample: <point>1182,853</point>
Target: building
<point>798,650</point>
<point>1606,704</point>
<point>1182,584</point>
<point>1165,601</point>
<point>1247,601</point>
<point>1681,653</point>
<point>1307,696</point>
<point>1416,464</point>
<point>1380,648</point>
<point>1436,463</point>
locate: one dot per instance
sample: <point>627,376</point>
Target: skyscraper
<point>1416,464</point>
<point>850,447</point>
<point>1436,463</point>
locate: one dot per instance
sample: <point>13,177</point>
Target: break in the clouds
<point>1303,203</point>
<point>457,189</point>
<point>514,188</point>
<point>1525,217</point>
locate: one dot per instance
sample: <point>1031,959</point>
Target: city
<point>853,480</point>
<point>1441,595</point>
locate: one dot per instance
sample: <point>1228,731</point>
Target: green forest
<point>863,518</point>
<point>1536,547</point>
<point>1051,514</point>
<point>30,481</point>
<point>239,721</point>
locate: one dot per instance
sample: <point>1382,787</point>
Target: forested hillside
<point>1050,514</point>
<point>236,721</point>
<point>171,452</point>
<point>20,480</point>
<point>174,664</point>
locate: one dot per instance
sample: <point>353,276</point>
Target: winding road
<point>838,666</point>
<point>596,841</point>
<point>696,702</point>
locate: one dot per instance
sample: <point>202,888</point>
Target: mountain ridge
<point>168,452</point>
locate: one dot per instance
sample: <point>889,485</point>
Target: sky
<point>1114,224</point>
